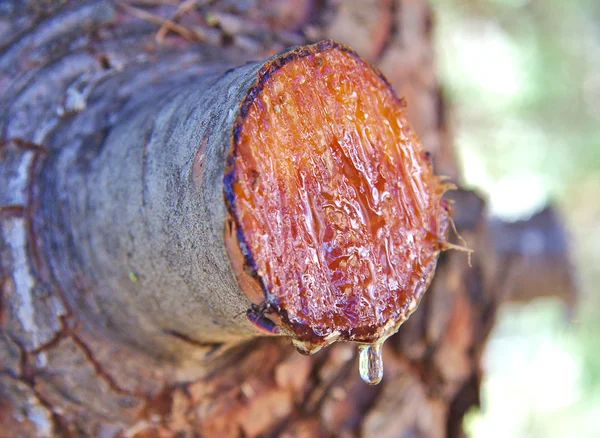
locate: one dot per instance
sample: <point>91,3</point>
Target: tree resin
<point>336,218</point>
<point>370,362</point>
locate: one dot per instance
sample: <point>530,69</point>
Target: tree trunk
<point>76,336</point>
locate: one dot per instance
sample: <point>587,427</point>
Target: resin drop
<point>370,362</point>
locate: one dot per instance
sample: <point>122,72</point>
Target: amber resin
<point>334,205</point>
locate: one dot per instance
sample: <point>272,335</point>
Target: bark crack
<point>98,367</point>
<point>27,377</point>
<point>26,145</point>
<point>12,211</point>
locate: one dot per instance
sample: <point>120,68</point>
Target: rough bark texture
<point>66,71</point>
<point>145,239</point>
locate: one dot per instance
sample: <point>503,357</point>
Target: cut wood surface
<point>147,340</point>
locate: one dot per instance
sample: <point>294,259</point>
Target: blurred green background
<point>523,81</point>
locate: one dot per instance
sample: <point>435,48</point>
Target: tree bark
<point>134,229</point>
<point>68,74</point>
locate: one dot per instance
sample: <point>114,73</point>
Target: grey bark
<point>146,257</point>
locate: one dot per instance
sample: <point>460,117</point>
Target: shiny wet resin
<point>338,213</point>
